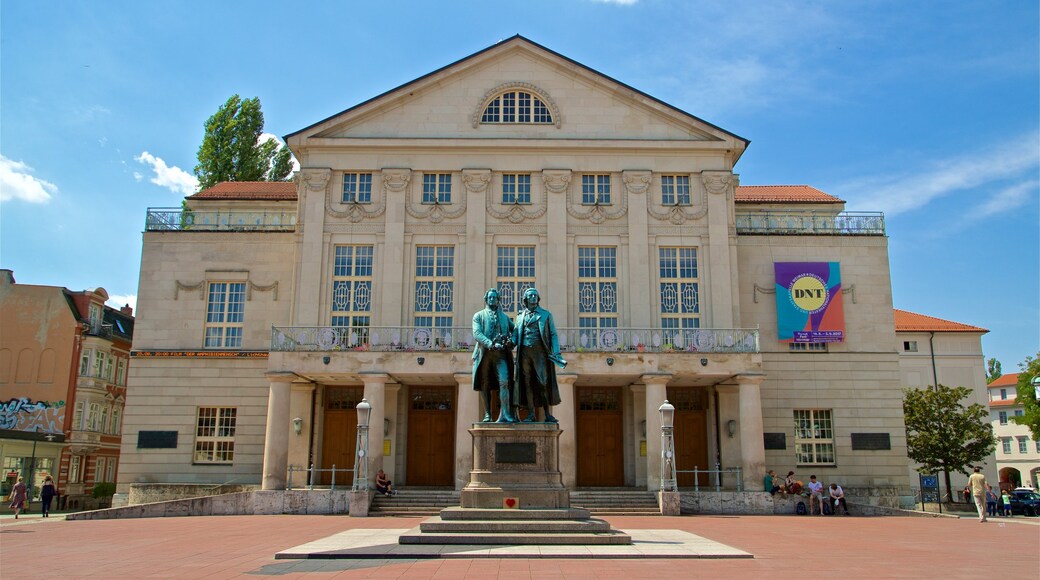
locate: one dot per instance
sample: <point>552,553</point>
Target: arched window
<point>516,106</point>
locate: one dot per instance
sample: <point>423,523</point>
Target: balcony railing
<point>420,339</point>
<point>802,223</point>
<point>166,219</point>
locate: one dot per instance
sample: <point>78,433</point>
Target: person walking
<point>991,501</point>
<point>47,492</point>
<point>977,483</point>
<point>19,496</point>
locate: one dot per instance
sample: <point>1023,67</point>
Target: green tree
<point>993,371</point>
<point>231,149</point>
<point>943,434</point>
<point>1026,394</point>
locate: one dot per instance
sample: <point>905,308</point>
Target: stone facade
<point>306,357</point>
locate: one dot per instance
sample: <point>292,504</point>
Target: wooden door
<point>431,437</point>
<point>599,437</point>
<point>691,434</point>
<point>339,435</point>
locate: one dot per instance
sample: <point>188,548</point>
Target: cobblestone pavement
<point>244,547</point>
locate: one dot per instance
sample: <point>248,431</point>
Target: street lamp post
<point>668,477</point>
<point>364,412</point>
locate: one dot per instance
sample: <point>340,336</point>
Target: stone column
<point>639,417</point>
<point>375,392</point>
<point>300,399</point>
<point>554,295</point>
<point>730,450</point>
<point>468,412</point>
<point>749,425</point>
<point>395,184</point>
<point>566,414</point>
<point>720,187</point>
<point>312,188</point>
<point>656,392</point>
<point>637,184</point>
<point>390,462</point>
<point>475,187</point>
<point>276,438</point>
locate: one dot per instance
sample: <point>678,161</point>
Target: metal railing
<point>426,339</point>
<point>846,223</point>
<point>312,472</point>
<point>717,473</point>
<point>165,219</point>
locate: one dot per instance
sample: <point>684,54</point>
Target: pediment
<point>446,104</point>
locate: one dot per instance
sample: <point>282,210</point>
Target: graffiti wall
<point>24,414</point>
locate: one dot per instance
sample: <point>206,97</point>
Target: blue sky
<point>928,111</point>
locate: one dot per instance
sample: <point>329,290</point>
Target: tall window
<point>224,314</point>
<point>77,417</point>
<point>215,435</point>
<point>110,471</point>
<point>434,286</point>
<point>357,188</point>
<point>516,107</point>
<point>436,188</point>
<point>75,468</point>
<point>103,420</point>
<point>813,437</point>
<point>121,372</point>
<point>109,363</point>
<point>1003,394</point>
<point>95,313</point>
<point>114,428</point>
<point>680,296</point>
<point>516,188</point>
<point>1023,445</point>
<point>99,469</point>
<point>515,274</point>
<point>675,190</point>
<point>1005,442</point>
<point>352,290</point>
<point>84,364</point>
<point>99,365</point>
<point>1002,416</point>
<point>597,289</point>
<point>94,417</point>
<point>595,189</point>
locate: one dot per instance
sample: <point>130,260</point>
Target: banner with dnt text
<point>808,302</point>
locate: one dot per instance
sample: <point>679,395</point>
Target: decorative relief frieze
<point>200,286</point>
<point>476,180</point>
<point>354,211</point>
<point>516,212</point>
<point>396,180</point>
<point>636,182</point>
<point>720,181</point>
<point>544,96</point>
<point>435,213</point>
<point>316,178</point>
<point>597,213</point>
<point>273,288</point>
<point>556,180</point>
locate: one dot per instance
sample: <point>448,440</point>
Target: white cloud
<point>898,193</point>
<point>137,176</point>
<point>118,301</point>
<point>173,178</point>
<point>1007,199</point>
<point>17,183</point>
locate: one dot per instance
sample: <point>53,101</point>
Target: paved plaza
<point>246,546</point>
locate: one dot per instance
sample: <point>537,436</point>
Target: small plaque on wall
<point>157,440</point>
<point>515,453</point>
<point>871,442</point>
<point>775,441</point>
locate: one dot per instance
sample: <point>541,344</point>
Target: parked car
<point>1025,502</point>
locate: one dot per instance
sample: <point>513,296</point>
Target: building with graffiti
<point>64,363</point>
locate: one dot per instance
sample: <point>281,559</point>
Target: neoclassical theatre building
<point>267,311</point>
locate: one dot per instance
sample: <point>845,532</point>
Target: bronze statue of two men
<point>529,380</point>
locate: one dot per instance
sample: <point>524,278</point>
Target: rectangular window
<point>1037,445</point>
<point>121,373</point>
<point>597,293</point>
<point>807,346</point>
<point>1023,445</point>
<point>514,275</point>
<point>75,468</point>
<point>595,189</point>
<point>434,286</point>
<point>215,435</point>
<point>110,470</point>
<point>1003,394</point>
<point>1005,442</point>
<point>99,469</point>
<point>109,363</point>
<point>352,292</point>
<point>94,417</point>
<point>680,291</point>
<point>436,188</point>
<point>103,420</point>
<point>77,417</point>
<point>84,364</point>
<point>357,188</point>
<point>910,345</point>
<point>516,188</point>
<point>1019,412</point>
<point>675,190</point>
<point>95,317</point>
<point>114,428</point>
<point>813,437</point>
<point>225,313</point>
<point>99,365</point>
<point>1002,415</point>
<point>509,107</point>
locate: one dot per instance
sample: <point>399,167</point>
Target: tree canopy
<point>943,434</point>
<point>232,149</point>
<point>1026,394</point>
<point>993,371</point>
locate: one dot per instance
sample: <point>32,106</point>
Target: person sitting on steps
<point>384,485</point>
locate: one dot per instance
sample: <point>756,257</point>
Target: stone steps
<point>439,525</point>
<point>414,502</point>
<point>519,539</point>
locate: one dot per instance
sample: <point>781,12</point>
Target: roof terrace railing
<point>421,339</point>
<point>801,223</point>
<point>168,219</point>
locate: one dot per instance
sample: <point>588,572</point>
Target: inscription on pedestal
<point>515,453</point>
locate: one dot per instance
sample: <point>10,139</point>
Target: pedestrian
<point>47,492</point>
<point>18,497</point>
<point>815,494</point>
<point>1005,501</point>
<point>977,483</point>
<point>991,501</point>
<point>838,495</point>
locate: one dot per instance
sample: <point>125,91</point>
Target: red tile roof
<point>913,322</point>
<point>783,194</point>
<point>248,190</point>
<point>1004,403</point>
<point>1008,380</point>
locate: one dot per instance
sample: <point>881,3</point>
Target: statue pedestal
<point>518,461</point>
